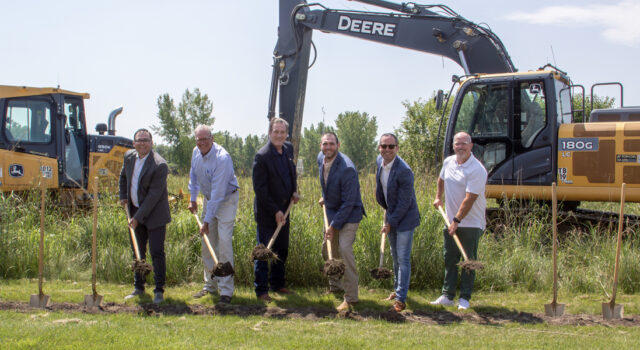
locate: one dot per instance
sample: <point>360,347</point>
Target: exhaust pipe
<point>111,130</point>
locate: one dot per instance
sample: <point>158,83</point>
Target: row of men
<point>462,181</point>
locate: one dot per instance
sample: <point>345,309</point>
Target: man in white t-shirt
<point>462,180</point>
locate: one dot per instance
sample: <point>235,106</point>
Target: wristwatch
<point>456,220</point>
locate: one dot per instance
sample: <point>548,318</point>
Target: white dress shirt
<point>135,179</point>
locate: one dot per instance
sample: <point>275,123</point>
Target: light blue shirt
<point>213,176</point>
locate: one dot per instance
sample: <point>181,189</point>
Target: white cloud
<point>620,22</point>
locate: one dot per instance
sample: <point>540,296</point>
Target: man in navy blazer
<point>341,198</point>
<point>143,189</point>
<point>275,186</point>
<point>395,193</point>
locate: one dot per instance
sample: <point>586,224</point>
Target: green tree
<point>310,146</point>
<point>418,133</point>
<point>357,133</point>
<point>598,103</point>
<point>177,125</point>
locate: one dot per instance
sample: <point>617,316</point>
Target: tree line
<point>357,132</point>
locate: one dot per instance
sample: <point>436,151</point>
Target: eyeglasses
<point>461,143</point>
<point>388,146</point>
<point>143,140</point>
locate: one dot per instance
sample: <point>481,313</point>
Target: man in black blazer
<point>275,186</point>
<point>143,189</point>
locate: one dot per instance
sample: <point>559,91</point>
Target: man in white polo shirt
<point>462,180</point>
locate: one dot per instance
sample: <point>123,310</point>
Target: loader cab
<point>49,123</point>
<point>512,121</point>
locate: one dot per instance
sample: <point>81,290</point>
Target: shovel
<point>139,266</point>
<point>466,264</point>
<point>262,253</point>
<point>332,268</point>
<point>554,309</point>
<point>40,300</point>
<point>611,309</point>
<point>94,300</point>
<point>219,269</point>
<point>381,272</point>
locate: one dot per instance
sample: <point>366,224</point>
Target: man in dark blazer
<point>343,203</point>
<point>395,193</point>
<point>143,189</point>
<point>275,186</point>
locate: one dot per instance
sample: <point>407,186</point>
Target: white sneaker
<point>463,304</point>
<point>442,300</point>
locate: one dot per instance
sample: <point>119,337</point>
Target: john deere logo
<point>16,170</point>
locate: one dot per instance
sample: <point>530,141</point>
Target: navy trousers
<point>155,237</point>
<point>274,280</point>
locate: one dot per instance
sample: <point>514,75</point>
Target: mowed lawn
<point>304,321</point>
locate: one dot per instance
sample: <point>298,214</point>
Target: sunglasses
<point>388,146</point>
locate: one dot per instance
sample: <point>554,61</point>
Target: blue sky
<point>130,52</point>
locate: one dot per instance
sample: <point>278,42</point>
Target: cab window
<point>28,121</point>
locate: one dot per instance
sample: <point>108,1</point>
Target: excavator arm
<point>434,29</point>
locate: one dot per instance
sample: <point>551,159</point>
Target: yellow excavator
<point>521,123</point>
<point>44,141</point>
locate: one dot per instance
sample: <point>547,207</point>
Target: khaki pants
<point>221,238</point>
<point>342,248</point>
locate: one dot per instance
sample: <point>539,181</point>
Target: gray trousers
<point>342,248</point>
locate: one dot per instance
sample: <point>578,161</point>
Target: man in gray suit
<point>143,188</point>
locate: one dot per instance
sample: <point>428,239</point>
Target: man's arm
<point>219,184</point>
<point>464,209</point>
<point>437,202</point>
<point>194,186</point>
<point>123,184</point>
<point>348,196</point>
<point>260,179</point>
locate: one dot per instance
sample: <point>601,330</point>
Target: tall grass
<point>517,255</point>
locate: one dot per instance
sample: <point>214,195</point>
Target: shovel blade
<point>39,300</point>
<point>615,312</point>
<point>554,310</point>
<point>91,300</point>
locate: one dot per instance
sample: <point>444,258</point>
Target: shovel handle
<point>455,237</point>
<point>133,235</point>
<point>382,239</point>
<point>41,246</point>
<point>206,240</point>
<point>93,236</point>
<point>619,245</point>
<point>275,234</point>
<point>326,226</point>
<point>554,210</point>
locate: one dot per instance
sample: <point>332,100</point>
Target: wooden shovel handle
<point>206,240</point>
<point>455,237</point>
<point>554,211</point>
<point>93,236</point>
<point>133,234</point>
<point>382,239</point>
<point>275,234</point>
<point>41,246</point>
<point>619,245</point>
<point>326,226</point>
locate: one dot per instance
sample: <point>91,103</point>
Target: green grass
<point>517,255</point>
<point>45,329</point>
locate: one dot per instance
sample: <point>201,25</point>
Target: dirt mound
<point>439,317</point>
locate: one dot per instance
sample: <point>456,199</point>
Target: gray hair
<point>206,128</point>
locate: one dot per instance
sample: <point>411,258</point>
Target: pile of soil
<point>223,270</point>
<point>262,253</point>
<point>381,273</point>
<point>334,268</point>
<point>141,266</point>
<point>471,265</point>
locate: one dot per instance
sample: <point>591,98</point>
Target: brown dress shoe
<point>284,290</point>
<point>346,305</point>
<point>398,306</point>
<point>390,297</point>
<point>265,297</point>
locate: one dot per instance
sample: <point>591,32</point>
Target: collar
<point>388,166</point>
<point>143,158</point>
<point>275,151</point>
